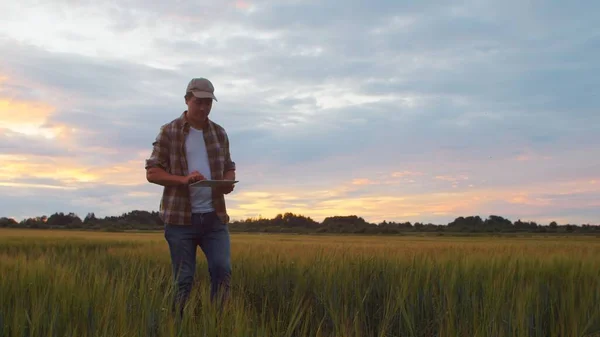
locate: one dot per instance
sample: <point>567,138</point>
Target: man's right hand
<point>159,176</point>
<point>192,178</point>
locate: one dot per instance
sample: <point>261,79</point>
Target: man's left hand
<point>226,189</point>
<point>229,175</point>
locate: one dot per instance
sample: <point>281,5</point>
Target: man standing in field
<point>188,149</point>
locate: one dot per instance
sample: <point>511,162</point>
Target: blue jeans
<point>212,236</point>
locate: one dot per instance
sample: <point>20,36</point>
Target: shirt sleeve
<point>160,151</point>
<point>229,164</point>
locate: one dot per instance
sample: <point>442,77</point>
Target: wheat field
<point>68,283</point>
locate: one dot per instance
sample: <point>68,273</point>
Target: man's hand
<point>159,176</point>
<point>226,189</point>
<point>229,175</point>
<point>192,178</point>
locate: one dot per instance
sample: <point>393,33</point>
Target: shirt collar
<point>186,124</point>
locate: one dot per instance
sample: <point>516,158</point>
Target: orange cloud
<point>68,172</point>
<point>405,207</point>
<point>405,174</point>
<point>374,208</point>
<point>126,173</point>
<point>452,179</point>
<point>530,155</point>
<point>20,112</point>
<point>339,200</point>
<point>33,185</point>
<point>361,182</point>
<point>65,170</point>
<point>386,179</point>
<point>29,118</point>
<point>526,199</point>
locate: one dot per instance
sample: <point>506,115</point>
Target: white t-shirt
<point>197,158</point>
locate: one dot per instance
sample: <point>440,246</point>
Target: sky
<point>419,111</point>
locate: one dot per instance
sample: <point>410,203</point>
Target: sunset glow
<point>393,112</point>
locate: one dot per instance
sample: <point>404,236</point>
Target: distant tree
<point>296,223</point>
<point>405,225</point>
<point>346,224</point>
<point>525,226</point>
<point>90,218</point>
<point>70,220</point>
<point>289,219</point>
<point>37,222</point>
<point>497,223</point>
<point>8,222</point>
<point>462,223</point>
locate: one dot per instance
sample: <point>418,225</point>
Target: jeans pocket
<point>216,223</point>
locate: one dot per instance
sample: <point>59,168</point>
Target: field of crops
<point>60,283</point>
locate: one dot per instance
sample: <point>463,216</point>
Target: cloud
<point>36,143</point>
<point>68,171</point>
<point>537,202</point>
<point>101,199</point>
<point>385,108</point>
<point>30,118</point>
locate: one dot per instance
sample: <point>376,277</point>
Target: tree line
<point>296,223</point>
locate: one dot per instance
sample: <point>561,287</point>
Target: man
<point>188,149</point>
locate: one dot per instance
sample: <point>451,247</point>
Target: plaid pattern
<point>169,153</point>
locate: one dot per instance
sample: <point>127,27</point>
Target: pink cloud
<point>452,179</point>
<point>406,174</point>
<point>241,4</point>
<point>362,181</point>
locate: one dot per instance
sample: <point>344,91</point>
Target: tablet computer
<point>213,183</point>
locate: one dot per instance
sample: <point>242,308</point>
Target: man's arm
<point>159,176</point>
<point>229,169</point>
<point>158,163</point>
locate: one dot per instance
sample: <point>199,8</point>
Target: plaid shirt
<point>169,153</point>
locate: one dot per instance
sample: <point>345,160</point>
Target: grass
<point>62,283</point>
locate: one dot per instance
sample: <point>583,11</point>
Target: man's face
<point>199,108</point>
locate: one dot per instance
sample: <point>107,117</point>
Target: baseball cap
<point>201,88</point>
